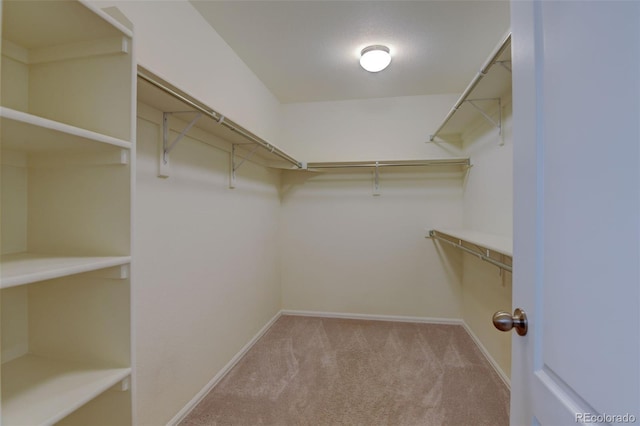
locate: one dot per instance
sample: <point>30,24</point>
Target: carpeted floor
<point>319,371</point>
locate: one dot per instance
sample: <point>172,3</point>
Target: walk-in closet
<point>211,213</point>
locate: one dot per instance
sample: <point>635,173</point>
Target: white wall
<point>196,59</point>
<point>488,207</point>
<point>344,250</point>
<point>347,251</point>
<point>206,267</point>
<point>488,200</point>
<point>371,129</point>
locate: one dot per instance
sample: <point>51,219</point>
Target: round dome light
<point>375,58</point>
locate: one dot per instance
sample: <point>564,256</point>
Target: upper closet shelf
<point>173,102</point>
<point>33,134</point>
<point>495,249</point>
<point>482,97</point>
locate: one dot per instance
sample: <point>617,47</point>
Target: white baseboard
<point>396,318</point>
<point>223,372</point>
<point>488,356</point>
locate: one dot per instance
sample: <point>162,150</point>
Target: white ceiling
<point>306,51</point>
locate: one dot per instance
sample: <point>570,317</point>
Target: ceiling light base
<point>375,58</point>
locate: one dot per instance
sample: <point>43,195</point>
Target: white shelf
<point>496,243</point>
<point>492,82</point>
<point>41,391</point>
<point>25,268</point>
<point>29,133</point>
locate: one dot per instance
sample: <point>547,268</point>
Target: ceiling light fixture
<point>375,58</point>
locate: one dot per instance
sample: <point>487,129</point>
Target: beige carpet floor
<point>319,371</point>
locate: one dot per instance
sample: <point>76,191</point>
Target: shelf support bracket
<point>376,180</point>
<point>233,167</point>
<point>123,386</point>
<point>504,64</point>
<point>114,273</point>
<point>496,123</point>
<point>166,147</point>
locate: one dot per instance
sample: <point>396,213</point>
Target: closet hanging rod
<point>373,164</point>
<point>229,124</point>
<point>494,262</point>
<point>502,46</point>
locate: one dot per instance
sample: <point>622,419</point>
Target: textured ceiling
<point>306,51</point>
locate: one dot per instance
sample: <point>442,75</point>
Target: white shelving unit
<point>67,138</point>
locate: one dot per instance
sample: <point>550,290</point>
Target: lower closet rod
<point>494,262</point>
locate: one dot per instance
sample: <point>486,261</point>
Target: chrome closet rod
<point>494,262</point>
<point>387,164</point>
<point>229,124</point>
<point>483,71</point>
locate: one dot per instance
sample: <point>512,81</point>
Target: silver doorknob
<point>504,321</point>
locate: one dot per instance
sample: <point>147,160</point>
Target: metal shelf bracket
<point>164,164</point>
<point>376,180</point>
<point>234,167</point>
<point>496,123</point>
<point>505,64</point>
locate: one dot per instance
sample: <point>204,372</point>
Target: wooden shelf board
<point>42,391</point>
<point>29,133</point>
<point>497,243</point>
<point>25,268</point>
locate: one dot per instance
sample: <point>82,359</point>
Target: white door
<point>576,92</point>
